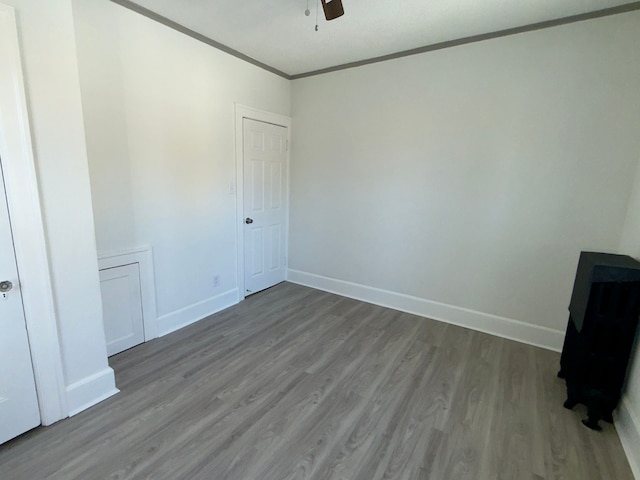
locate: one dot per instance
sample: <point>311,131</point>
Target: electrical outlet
<point>216,281</point>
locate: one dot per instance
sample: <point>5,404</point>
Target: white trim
<point>242,112</point>
<point>91,390</point>
<point>628,428</point>
<point>193,313</point>
<point>500,326</point>
<point>143,256</point>
<point>27,226</point>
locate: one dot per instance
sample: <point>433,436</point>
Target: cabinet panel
<point>122,307</point>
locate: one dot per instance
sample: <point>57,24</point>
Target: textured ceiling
<point>277,32</point>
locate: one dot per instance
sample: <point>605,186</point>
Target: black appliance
<point>603,317</point>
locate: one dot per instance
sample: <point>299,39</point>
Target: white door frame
<point>27,227</point>
<point>243,112</point>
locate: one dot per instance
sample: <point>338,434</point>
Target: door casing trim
<point>242,112</point>
<point>27,226</point>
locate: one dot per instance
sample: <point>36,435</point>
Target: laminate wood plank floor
<point>295,383</point>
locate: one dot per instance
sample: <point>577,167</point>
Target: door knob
<point>248,220</point>
<point>5,286</point>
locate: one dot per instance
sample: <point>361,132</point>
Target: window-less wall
<point>469,179</point>
<point>628,419</point>
<point>159,119</point>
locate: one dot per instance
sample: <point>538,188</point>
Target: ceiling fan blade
<point>332,9</point>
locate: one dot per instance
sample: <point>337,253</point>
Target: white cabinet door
<point>265,204</point>
<point>122,307</point>
<point>18,400</point>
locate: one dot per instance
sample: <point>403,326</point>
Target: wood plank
<point>294,383</point>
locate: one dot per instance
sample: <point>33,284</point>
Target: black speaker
<point>603,318</point>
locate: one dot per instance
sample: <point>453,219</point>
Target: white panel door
<point>18,401</point>
<point>265,204</point>
<point>122,307</point>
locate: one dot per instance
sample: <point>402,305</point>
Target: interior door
<point>18,401</point>
<point>265,204</point>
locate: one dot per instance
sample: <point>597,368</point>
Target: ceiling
<point>278,35</point>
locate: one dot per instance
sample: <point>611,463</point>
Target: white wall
<point>53,98</point>
<point>159,118</point>
<point>472,176</point>
<point>628,419</point>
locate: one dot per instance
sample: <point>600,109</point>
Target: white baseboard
<point>628,428</point>
<point>500,326</point>
<point>90,390</point>
<point>186,316</point>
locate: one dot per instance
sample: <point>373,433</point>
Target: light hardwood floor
<point>294,383</point>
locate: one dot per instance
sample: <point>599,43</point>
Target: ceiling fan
<point>332,10</point>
